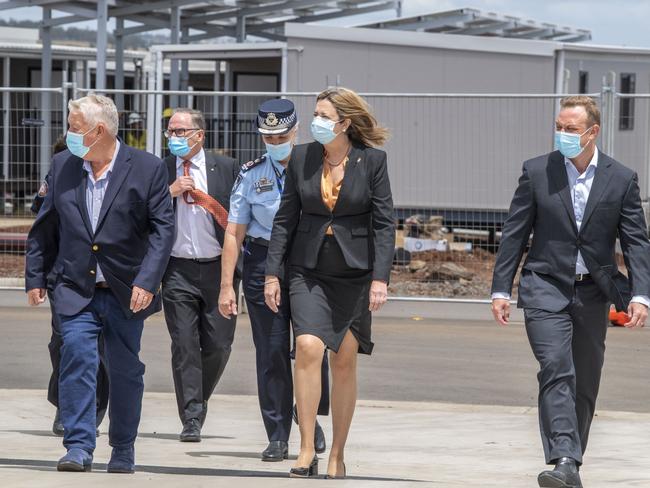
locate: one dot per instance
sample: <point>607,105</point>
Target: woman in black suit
<point>335,227</point>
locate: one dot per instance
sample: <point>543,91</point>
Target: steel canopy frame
<point>471,21</point>
<point>188,20</point>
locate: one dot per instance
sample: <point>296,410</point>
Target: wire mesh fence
<point>454,161</point>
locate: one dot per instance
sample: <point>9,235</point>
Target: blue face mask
<point>75,143</point>
<point>279,152</point>
<point>323,130</point>
<point>569,144</point>
<point>179,146</point>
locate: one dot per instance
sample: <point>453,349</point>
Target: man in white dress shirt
<point>576,201</point>
<point>200,184</point>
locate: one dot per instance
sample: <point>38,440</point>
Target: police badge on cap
<point>277,116</point>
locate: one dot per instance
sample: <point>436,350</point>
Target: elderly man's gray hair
<point>95,109</point>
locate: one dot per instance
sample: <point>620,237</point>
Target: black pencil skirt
<point>330,299</point>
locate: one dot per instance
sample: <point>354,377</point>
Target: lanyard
<point>278,178</point>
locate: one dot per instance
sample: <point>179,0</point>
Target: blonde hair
<point>95,109</point>
<point>364,127</point>
<point>588,103</point>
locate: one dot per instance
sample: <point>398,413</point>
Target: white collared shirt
<point>579,187</point>
<point>95,191</point>
<point>195,234</point>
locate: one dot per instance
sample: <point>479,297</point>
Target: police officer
<point>254,201</point>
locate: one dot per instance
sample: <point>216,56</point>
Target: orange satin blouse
<point>330,192</point>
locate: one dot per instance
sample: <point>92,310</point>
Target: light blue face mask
<point>179,146</point>
<point>323,130</point>
<point>569,144</point>
<point>279,152</point>
<point>75,143</point>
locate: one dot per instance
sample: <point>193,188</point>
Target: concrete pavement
<point>392,444</point>
<point>473,439</point>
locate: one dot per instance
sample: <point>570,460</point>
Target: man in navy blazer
<point>106,227</point>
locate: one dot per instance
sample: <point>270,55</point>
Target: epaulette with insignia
<point>251,164</point>
<point>244,168</point>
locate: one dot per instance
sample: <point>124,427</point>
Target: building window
<point>626,110</point>
<point>583,82</point>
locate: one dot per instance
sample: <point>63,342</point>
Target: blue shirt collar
<point>276,164</point>
<point>592,164</point>
<point>89,169</point>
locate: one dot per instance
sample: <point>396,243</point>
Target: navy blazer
<point>131,243</point>
<point>362,219</point>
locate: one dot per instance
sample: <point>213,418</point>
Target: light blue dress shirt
<point>95,191</point>
<point>256,199</point>
<point>580,186</point>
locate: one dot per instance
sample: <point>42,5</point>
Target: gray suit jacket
<point>542,204</point>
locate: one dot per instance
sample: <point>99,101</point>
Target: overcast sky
<point>620,22</point>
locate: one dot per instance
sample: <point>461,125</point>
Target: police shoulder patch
<point>237,182</point>
<point>251,164</point>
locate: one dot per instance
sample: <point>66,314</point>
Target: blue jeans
<point>78,374</point>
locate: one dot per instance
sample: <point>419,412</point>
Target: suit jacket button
<point>92,271</point>
<point>578,243</point>
<point>95,247</point>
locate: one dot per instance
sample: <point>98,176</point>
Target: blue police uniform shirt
<point>256,198</point>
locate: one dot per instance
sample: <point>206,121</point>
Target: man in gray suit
<point>576,201</point>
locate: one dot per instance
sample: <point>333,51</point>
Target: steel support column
<point>102,44</point>
<point>119,64</point>
<point>45,151</point>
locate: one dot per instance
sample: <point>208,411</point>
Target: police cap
<point>276,116</point>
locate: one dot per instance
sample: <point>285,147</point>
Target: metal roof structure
<point>189,21</point>
<point>475,22</point>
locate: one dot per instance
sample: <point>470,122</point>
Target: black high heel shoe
<point>328,477</point>
<point>311,470</point>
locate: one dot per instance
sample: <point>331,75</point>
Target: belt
<point>583,277</point>
<point>101,284</point>
<point>199,260</point>
<point>260,241</point>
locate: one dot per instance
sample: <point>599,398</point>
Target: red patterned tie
<point>217,210</point>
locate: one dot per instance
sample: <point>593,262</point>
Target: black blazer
<point>542,204</point>
<point>131,243</point>
<point>221,173</point>
<point>362,220</point>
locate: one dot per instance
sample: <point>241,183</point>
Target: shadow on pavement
<point>142,435</point>
<point>174,437</point>
<point>235,454</point>
<point>42,465</point>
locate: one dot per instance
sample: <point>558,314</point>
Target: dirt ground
<point>403,282</point>
<point>478,263</point>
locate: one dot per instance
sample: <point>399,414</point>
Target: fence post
<point>608,116</point>
<point>158,105</point>
<point>64,101</point>
<point>6,116</point>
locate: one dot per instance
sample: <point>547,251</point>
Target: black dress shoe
<point>320,445</point>
<point>191,431</point>
<point>565,475</point>
<point>276,451</point>
<point>306,472</point>
<point>57,425</point>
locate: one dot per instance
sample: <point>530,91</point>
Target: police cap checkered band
<point>276,116</point>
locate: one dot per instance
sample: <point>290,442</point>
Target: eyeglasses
<point>179,132</point>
